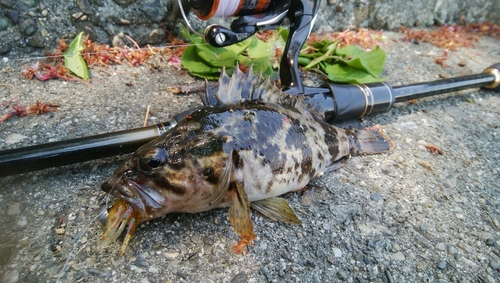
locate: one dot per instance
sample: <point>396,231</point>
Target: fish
<point>249,144</point>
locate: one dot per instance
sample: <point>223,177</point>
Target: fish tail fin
<point>370,140</point>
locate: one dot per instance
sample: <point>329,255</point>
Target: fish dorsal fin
<point>240,87</point>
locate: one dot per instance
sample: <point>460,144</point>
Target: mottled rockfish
<point>249,144</point>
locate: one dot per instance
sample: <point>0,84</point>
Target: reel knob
<point>219,36</point>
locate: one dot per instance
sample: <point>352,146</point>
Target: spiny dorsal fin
<point>241,86</point>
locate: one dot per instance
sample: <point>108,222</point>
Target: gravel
<point>384,218</point>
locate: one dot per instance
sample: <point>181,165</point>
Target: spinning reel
<point>257,15</point>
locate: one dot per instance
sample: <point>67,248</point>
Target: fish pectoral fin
<point>276,209</point>
<point>239,216</point>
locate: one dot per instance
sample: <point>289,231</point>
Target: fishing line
<point>181,7</point>
<point>226,8</point>
<point>75,245</point>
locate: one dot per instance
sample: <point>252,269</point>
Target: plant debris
<point>433,149</point>
<point>42,107</point>
<point>362,37</point>
<point>452,37</point>
<point>95,54</point>
<point>18,111</point>
<point>36,109</point>
<point>440,60</point>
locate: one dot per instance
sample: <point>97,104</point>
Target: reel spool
<point>228,8</point>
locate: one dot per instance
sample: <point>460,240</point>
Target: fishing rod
<point>335,101</point>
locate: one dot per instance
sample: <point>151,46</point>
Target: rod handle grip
<point>356,101</point>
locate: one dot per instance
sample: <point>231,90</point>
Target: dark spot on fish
<point>263,162</point>
<point>210,176</point>
<point>237,161</point>
<point>289,170</point>
<point>269,186</point>
<point>297,165</point>
<point>331,139</point>
<point>307,169</point>
<point>320,156</point>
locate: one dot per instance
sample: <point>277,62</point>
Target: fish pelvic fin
<point>240,217</point>
<point>276,209</point>
<point>370,140</point>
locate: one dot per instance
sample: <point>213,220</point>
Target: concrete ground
<point>406,216</point>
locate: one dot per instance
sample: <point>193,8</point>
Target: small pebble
<point>315,278</point>
<point>441,247</point>
<point>494,265</point>
<point>399,256</point>
<point>4,50</point>
<point>241,277</point>
<point>342,275</point>
<point>490,242</point>
<point>326,226</point>
<point>452,250</point>
<point>396,247</point>
<point>376,196</point>
<point>14,209</point>
<point>337,252</point>
<point>14,138</point>
<point>420,266</point>
<point>442,265</point>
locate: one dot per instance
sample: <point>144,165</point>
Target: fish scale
<point>249,144</point>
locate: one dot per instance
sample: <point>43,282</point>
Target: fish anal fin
<point>239,216</point>
<point>276,209</point>
<point>336,165</point>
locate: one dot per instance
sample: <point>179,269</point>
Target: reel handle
<point>246,26</point>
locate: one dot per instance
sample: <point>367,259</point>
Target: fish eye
<point>153,159</point>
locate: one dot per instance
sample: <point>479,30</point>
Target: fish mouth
<point>144,199</point>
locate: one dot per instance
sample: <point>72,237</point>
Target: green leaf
<point>371,62</point>
<point>258,49</point>
<point>261,64</point>
<point>196,66</point>
<point>343,73</point>
<point>185,33</point>
<point>73,59</point>
<point>206,61</point>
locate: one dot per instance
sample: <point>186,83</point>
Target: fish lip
<point>143,198</point>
